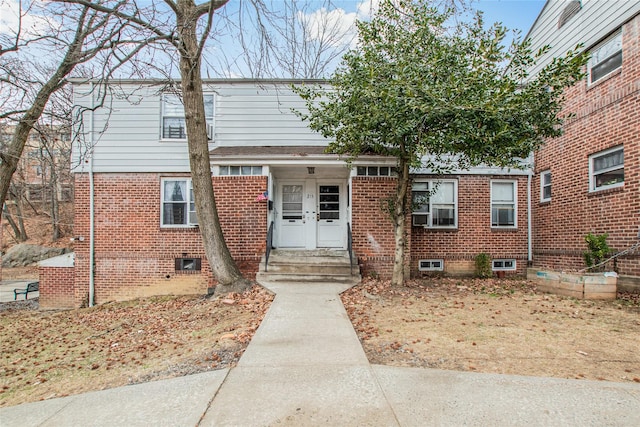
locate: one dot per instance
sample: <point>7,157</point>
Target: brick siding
<point>606,115</point>
<point>135,257</point>
<point>373,237</point>
<point>57,287</point>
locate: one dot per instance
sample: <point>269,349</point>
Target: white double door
<point>311,214</point>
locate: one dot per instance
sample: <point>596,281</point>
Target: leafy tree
<point>438,92</point>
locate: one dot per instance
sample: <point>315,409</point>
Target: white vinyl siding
<point>178,205</point>
<point>435,203</point>
<point>606,169</point>
<point>595,21</point>
<point>127,132</point>
<point>504,196</point>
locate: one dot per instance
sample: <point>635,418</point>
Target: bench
<point>31,287</point>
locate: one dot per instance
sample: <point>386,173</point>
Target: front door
<point>330,219</point>
<point>310,214</point>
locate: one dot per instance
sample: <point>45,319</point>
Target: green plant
<point>597,250</point>
<point>483,265</point>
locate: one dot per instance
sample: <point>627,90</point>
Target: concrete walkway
<point>305,367</point>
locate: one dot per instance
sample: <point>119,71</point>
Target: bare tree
<point>35,64</point>
<point>186,26</point>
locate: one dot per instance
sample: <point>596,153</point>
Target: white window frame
<point>502,267</point>
<point>514,183</point>
<point>593,174</point>
<point>605,51</point>
<point>242,170</point>
<point>190,204</point>
<point>376,170</point>
<point>544,184</point>
<point>209,119</point>
<point>431,267</point>
<point>431,204</point>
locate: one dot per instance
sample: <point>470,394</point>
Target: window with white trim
<point>503,204</point>
<point>240,170</point>
<point>606,169</point>
<point>503,264</point>
<point>435,203</point>
<point>431,265</point>
<point>376,171</point>
<point>178,205</point>
<point>605,58</point>
<point>545,186</point>
<point>173,120</point>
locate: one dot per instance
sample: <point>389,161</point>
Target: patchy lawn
<point>496,326</point>
<point>48,354</point>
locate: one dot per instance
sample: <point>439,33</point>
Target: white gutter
<point>529,220</point>
<point>91,209</point>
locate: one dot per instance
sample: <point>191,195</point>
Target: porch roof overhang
<point>286,154</point>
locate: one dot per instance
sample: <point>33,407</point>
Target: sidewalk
<point>7,287</point>
<point>305,367</point>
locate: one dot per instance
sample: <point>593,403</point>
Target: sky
<point>514,14</point>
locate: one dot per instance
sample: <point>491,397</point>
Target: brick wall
<point>135,257</point>
<point>458,247</point>
<point>56,287</point>
<point>373,236</point>
<point>606,115</point>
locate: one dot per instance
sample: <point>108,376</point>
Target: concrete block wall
<point>606,115</point>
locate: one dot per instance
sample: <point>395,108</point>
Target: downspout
<point>529,220</point>
<point>91,209</point>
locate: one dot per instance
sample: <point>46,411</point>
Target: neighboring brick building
<point>588,180</point>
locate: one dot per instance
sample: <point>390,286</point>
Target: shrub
<point>597,249</point>
<point>483,265</point>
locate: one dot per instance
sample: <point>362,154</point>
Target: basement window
<point>188,264</point>
<point>431,265</point>
<point>503,265</point>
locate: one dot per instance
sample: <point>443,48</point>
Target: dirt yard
<point>53,354</point>
<point>496,326</point>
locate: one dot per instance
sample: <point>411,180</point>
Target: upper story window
<point>178,204</point>
<point>545,186</point>
<point>173,121</point>
<point>435,203</point>
<point>606,169</point>
<point>503,204</point>
<point>375,171</point>
<point>605,58</point>
<point>240,170</point>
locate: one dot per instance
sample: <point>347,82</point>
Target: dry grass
<point>496,326</point>
<point>54,354</point>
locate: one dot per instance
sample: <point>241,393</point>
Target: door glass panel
<point>329,202</point>
<point>292,202</point>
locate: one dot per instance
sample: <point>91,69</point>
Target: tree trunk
<point>399,227</point>
<point>12,223</point>
<point>222,264</point>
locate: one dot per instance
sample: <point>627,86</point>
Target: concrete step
<point>319,265</point>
